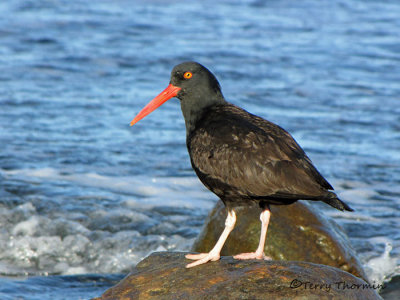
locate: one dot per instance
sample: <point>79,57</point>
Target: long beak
<point>170,92</point>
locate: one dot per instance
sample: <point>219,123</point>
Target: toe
<point>196,263</point>
<point>196,256</point>
<point>243,256</point>
<point>252,255</point>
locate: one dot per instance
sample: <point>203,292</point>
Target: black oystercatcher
<point>240,157</point>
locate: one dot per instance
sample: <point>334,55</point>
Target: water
<point>84,197</point>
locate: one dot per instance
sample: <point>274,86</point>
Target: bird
<point>242,158</point>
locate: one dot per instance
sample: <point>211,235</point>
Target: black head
<point>195,81</point>
<point>195,86</point>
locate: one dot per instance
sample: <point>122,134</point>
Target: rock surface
<point>297,232</point>
<point>163,275</point>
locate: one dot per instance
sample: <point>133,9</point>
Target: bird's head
<point>191,83</point>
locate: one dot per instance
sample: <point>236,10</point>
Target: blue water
<point>84,197</point>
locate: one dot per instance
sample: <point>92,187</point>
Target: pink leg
<point>259,253</point>
<point>214,254</point>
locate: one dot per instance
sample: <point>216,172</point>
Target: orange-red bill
<point>170,92</point>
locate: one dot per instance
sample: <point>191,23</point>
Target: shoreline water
<point>76,178</point>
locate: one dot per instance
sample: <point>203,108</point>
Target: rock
<point>296,232</point>
<point>163,275</point>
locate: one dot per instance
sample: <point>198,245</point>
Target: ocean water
<point>84,196</point>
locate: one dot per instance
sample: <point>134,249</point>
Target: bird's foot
<point>252,255</point>
<point>202,258</point>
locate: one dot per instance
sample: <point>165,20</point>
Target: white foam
<point>171,191</point>
<point>28,227</point>
<point>26,208</point>
<point>74,270</point>
<point>383,267</point>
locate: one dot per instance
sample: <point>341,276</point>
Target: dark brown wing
<point>236,154</point>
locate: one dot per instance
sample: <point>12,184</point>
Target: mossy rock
<point>163,275</point>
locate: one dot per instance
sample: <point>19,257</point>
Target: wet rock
<point>163,275</point>
<point>296,232</point>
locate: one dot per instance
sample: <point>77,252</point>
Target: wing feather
<point>236,154</point>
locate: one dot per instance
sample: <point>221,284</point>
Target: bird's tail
<point>335,202</point>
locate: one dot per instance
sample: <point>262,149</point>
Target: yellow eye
<point>187,75</point>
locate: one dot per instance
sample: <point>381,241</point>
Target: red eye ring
<point>187,75</point>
